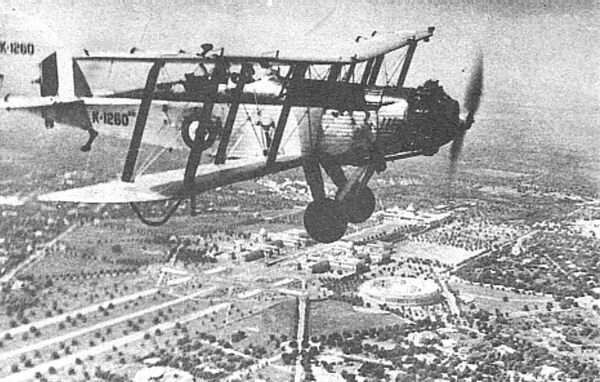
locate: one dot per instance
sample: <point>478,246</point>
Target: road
<point>99,326</point>
<point>487,252</point>
<point>7,277</point>
<point>240,374</point>
<point>358,358</point>
<point>450,298</point>
<point>41,252</point>
<point>302,314</point>
<point>106,346</point>
<point>90,308</point>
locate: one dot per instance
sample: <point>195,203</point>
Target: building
<point>347,264</point>
<point>294,237</point>
<point>322,266</point>
<point>397,292</point>
<point>379,252</point>
<point>410,216</point>
<point>253,255</point>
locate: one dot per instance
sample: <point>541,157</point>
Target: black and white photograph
<point>299,190</point>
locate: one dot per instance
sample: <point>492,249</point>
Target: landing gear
<point>325,220</point>
<point>360,205</point>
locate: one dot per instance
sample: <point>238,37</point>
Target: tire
<point>360,206</point>
<point>325,220</point>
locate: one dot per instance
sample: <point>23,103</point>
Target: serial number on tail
<point>17,47</point>
<point>112,118</point>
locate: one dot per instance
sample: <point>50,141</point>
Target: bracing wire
<point>150,161</point>
<point>396,68</point>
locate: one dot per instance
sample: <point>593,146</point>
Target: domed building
<point>396,292</point>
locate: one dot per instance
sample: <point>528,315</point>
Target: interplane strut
<point>140,122</point>
<point>297,74</point>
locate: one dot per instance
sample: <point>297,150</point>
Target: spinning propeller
<point>471,104</point>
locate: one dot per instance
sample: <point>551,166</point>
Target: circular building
<point>400,291</point>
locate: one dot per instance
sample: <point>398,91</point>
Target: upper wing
<point>360,49</point>
<point>169,184</point>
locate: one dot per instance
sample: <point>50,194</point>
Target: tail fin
<point>61,76</point>
<point>25,41</point>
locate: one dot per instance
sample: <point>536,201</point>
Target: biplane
<point>347,108</point>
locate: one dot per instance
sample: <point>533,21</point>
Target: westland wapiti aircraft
<point>333,98</point>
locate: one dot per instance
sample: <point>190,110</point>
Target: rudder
<point>61,76</point>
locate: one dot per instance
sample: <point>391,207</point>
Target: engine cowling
<point>396,121</point>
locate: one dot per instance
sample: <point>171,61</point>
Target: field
<point>443,253</point>
<point>334,316</point>
<point>501,298</point>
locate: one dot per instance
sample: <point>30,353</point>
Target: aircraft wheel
<point>360,207</point>
<point>325,220</point>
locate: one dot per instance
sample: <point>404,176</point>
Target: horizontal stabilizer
<point>27,103</point>
<point>169,184</point>
<point>70,112</point>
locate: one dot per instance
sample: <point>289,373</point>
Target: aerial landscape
<point>492,274</point>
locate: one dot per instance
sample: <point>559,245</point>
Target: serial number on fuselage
<point>113,118</point>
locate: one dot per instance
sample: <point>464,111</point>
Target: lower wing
<point>169,184</point>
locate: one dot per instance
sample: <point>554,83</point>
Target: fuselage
<point>345,122</point>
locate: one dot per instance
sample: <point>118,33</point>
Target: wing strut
<point>376,69</point>
<point>140,122</point>
<point>334,73</point>
<point>297,74</point>
<point>367,71</point>
<point>349,72</point>
<point>189,178</point>
<point>136,140</point>
<point>226,133</point>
